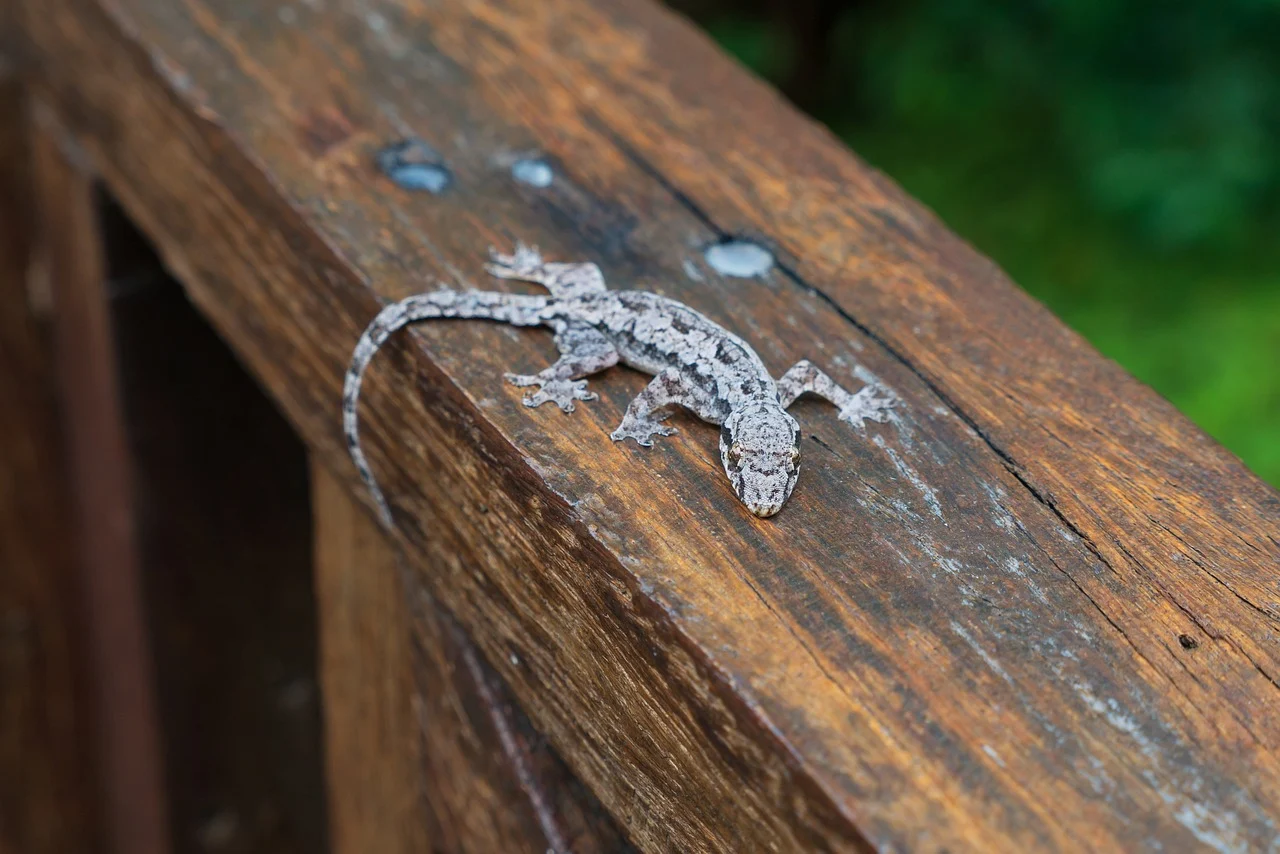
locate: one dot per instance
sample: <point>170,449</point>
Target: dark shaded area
<point>224,524</point>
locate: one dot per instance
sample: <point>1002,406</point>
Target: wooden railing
<point>1038,610</point>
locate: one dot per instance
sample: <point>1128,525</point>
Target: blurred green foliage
<point>1119,158</point>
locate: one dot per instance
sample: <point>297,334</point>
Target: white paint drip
<point>982,653</point>
<point>995,757</point>
<point>1217,829</point>
<point>912,476</point>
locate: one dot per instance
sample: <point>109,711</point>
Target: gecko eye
<point>735,455</point>
<point>795,456</point>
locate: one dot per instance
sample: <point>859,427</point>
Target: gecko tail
<point>515,309</point>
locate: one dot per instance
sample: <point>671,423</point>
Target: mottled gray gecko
<point>695,363</point>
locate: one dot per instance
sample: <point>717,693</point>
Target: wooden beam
<point>126,736</point>
<point>426,750</point>
<point>45,759</point>
<point>1036,611</point>
<point>373,747</point>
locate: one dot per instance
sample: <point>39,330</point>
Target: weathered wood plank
<point>962,633</point>
<point>426,751</point>
<point>45,761</point>
<point>125,734</point>
<point>373,746</point>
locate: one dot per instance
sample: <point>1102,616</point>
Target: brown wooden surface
<point>426,750</point>
<point>129,775</point>
<point>45,761</point>
<point>963,632</point>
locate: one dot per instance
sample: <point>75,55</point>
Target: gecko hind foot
<point>562,393</point>
<point>642,430</point>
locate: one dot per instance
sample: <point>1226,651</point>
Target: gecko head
<point>760,449</point>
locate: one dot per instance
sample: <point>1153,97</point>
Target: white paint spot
<point>1003,519</point>
<point>912,476</point>
<point>982,653</point>
<point>287,15</point>
<point>691,270</point>
<point>376,22</point>
<point>741,259</point>
<point>1217,829</point>
<point>533,171</point>
<point>995,757</point>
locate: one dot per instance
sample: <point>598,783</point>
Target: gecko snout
<point>760,449</point>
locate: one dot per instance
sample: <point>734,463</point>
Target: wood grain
<point>373,748</point>
<point>426,750</point>
<point>963,633</point>
<point>125,734</point>
<point>45,758</point>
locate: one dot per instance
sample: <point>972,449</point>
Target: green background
<point>1121,160</point>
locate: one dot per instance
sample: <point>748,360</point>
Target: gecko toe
<point>523,262</point>
<point>562,393</point>
<point>521,380</point>
<point>641,431</point>
<point>870,403</point>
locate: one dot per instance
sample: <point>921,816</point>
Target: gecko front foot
<point>524,263</point>
<point>641,429</point>
<point>870,403</point>
<point>562,393</point>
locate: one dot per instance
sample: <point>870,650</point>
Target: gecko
<point>695,363</point>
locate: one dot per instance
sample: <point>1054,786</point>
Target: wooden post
<point>45,796</point>
<point>126,735</point>
<point>426,750</point>
<point>373,746</point>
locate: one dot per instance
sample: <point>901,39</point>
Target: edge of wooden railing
<point>1040,593</point>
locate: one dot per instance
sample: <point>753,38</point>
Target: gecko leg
<point>643,419</point>
<point>565,281</point>
<point>870,403</point>
<point>584,351</point>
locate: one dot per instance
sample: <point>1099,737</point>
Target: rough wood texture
<point>426,750</point>
<point>44,754</point>
<point>1038,612</point>
<point>373,747</point>
<point>118,660</point>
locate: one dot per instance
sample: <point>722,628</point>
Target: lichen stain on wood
<point>842,676</point>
